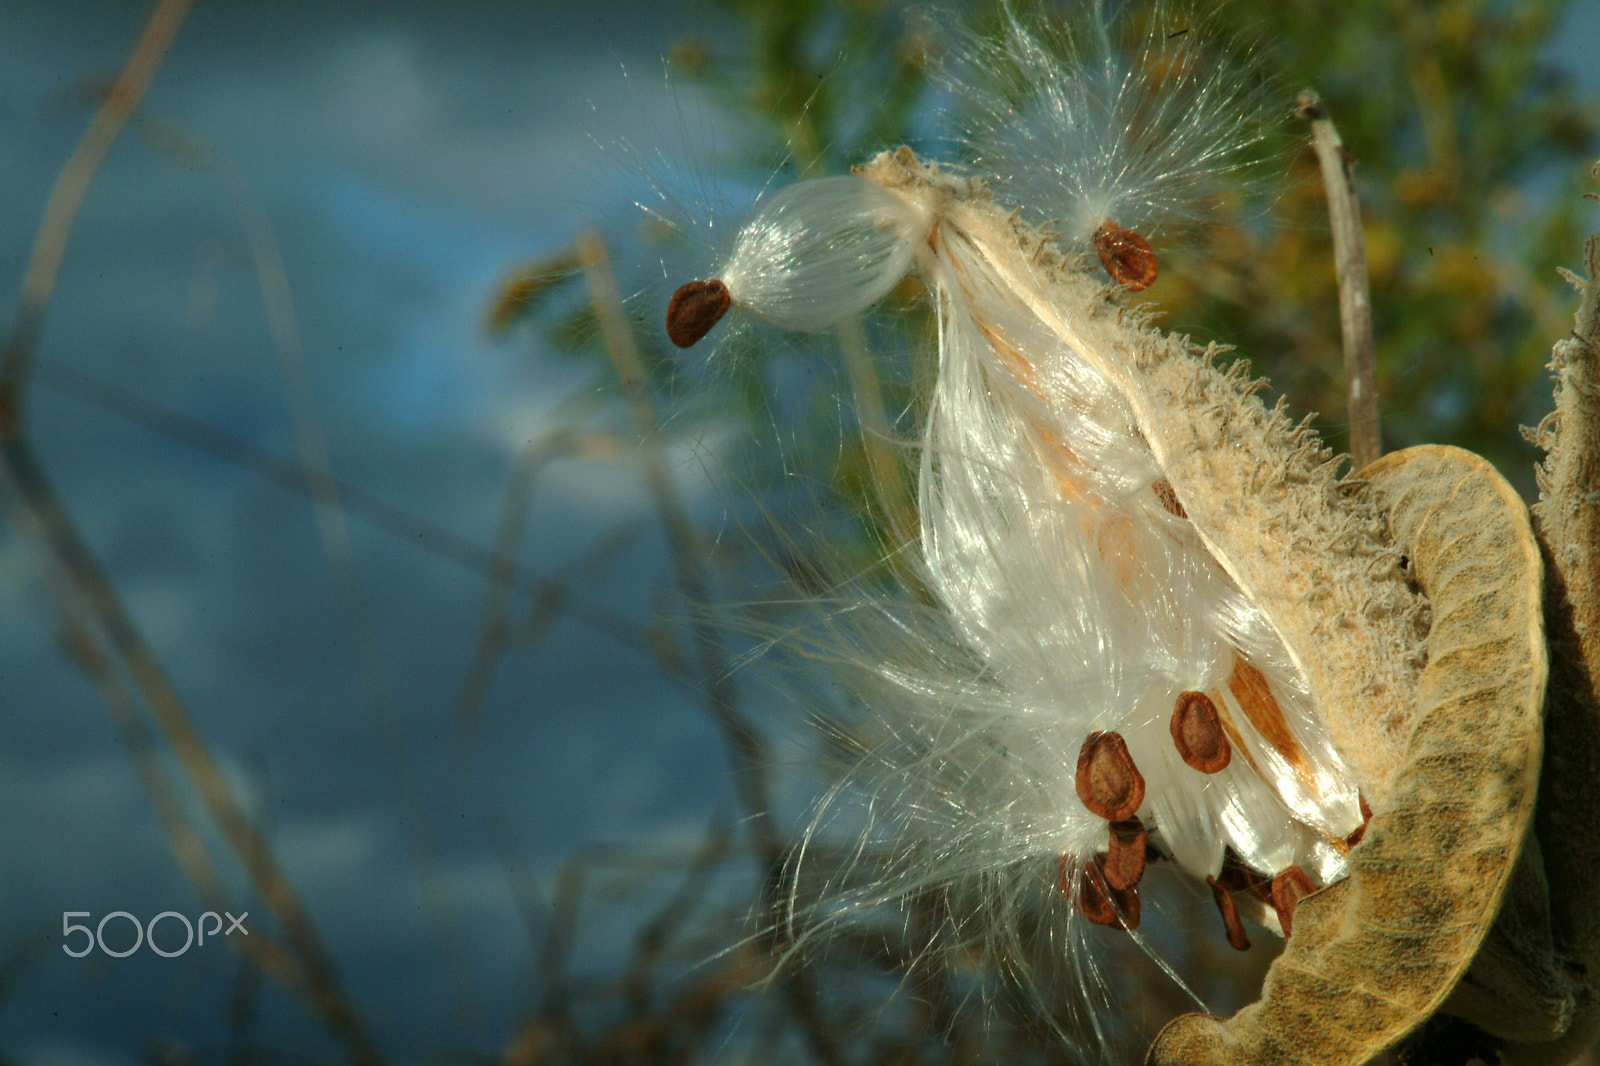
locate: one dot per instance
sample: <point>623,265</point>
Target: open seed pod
<point>1373,956</point>
<point>1160,626</point>
<point>1376,954</point>
<point>1261,641</point>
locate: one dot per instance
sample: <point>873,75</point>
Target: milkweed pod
<point>1437,857</point>
<point>1150,621</point>
<point>819,251</point>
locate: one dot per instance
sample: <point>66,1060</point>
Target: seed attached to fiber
<point>1127,257</point>
<point>1237,877</point>
<point>1197,731</point>
<point>1289,888</point>
<point>1124,862</point>
<point>1230,916</point>
<point>1096,900</point>
<point>1108,783</point>
<point>694,309</point>
<point>1361,830</point>
<point>1251,689</point>
<point>1169,497</point>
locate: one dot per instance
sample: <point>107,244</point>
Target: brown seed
<point>1108,783</point>
<point>1289,888</point>
<point>695,308</point>
<point>1230,916</point>
<point>1197,731</point>
<point>1168,497</point>
<point>1127,257</point>
<point>1127,901</point>
<point>1124,863</point>
<point>1237,877</point>
<point>1249,686</point>
<point>1093,896</point>
<point>1095,899</point>
<point>1361,830</point>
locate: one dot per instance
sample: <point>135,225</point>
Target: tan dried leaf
<point>1374,955</point>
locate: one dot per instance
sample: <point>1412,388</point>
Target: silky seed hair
<point>1138,591</point>
<point>1116,128</point>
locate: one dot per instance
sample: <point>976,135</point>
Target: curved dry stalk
<point>1567,518</point>
<point>86,591</point>
<point>1373,956</point>
<point>1355,292</point>
<point>50,245</point>
<point>86,583</point>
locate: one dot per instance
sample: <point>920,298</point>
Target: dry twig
<point>86,593</point>
<point>1355,292</point>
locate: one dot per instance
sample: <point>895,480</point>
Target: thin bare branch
<point>283,324</point>
<point>1355,292</point>
<point>46,518</point>
<point>544,593</point>
<point>683,540</point>
<point>496,631</point>
<point>50,245</point>
<point>651,942</point>
<point>493,629</point>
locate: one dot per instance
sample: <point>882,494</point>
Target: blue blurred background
<point>400,158</point>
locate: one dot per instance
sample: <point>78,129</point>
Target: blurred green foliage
<point>1471,154</point>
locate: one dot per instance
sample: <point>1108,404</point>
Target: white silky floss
<point>1103,676</point>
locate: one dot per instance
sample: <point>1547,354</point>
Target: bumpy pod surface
<point>1374,955</point>
<point>1261,492</point>
<point>1162,622</point>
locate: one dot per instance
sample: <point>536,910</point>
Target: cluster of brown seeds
<point>1111,786</point>
<point>1281,893</point>
<point>1108,888</point>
